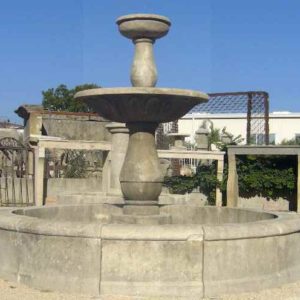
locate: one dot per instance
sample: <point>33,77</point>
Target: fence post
<point>232,183</point>
<point>267,128</point>
<point>249,113</point>
<point>39,172</point>
<point>220,167</point>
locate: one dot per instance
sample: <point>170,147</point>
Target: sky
<point>213,46</point>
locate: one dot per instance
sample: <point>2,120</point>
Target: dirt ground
<point>13,291</point>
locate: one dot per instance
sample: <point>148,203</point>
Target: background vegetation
<point>266,176</point>
<point>61,98</point>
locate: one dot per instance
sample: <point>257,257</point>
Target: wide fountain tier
<point>141,104</point>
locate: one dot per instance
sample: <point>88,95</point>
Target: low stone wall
<point>89,190</point>
<point>263,203</point>
<point>187,261</point>
<point>17,189</point>
<point>58,186</point>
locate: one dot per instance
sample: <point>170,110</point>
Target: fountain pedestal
<point>141,177</point>
<point>142,107</point>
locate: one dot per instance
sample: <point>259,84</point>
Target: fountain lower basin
<point>196,252</point>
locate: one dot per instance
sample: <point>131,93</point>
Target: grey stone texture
<point>142,107</point>
<point>69,125</point>
<point>119,140</point>
<point>201,138</point>
<point>141,176</point>
<point>143,30</point>
<point>141,104</point>
<point>178,140</point>
<point>202,252</point>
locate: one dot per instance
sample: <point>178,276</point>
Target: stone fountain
<point>141,249</point>
<point>142,107</point>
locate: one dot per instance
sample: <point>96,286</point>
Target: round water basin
<point>167,251</point>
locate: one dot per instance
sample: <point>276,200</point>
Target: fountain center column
<point>143,71</point>
<point>141,176</point>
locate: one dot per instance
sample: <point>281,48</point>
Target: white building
<point>283,125</point>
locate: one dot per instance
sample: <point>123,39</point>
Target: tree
<point>62,98</point>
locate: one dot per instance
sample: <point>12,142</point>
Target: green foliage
<point>221,138</point>
<point>207,182</point>
<point>180,184</point>
<point>62,98</point>
<point>214,136</point>
<point>290,142</point>
<point>76,165</point>
<point>267,176</point>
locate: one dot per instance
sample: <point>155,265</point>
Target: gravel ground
<point>13,291</point>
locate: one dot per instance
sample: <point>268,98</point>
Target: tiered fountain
<point>142,107</point>
<point>144,250</point>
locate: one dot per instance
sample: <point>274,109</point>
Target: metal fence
<point>255,104</point>
<point>16,173</point>
<point>66,163</point>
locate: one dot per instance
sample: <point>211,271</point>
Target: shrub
<point>76,166</point>
<point>266,176</point>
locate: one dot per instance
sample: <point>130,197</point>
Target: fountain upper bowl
<point>137,26</point>
<point>141,104</point>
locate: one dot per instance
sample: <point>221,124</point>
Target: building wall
<point>283,125</point>
<point>75,127</point>
<point>11,133</point>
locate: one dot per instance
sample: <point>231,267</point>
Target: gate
<point>16,173</point>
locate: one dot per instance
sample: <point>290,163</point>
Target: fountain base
<point>108,249</point>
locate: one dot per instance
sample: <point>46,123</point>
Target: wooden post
<point>220,167</point>
<point>232,183</point>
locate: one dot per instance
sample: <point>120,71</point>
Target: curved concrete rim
<point>282,224</point>
<point>153,17</point>
<point>196,95</point>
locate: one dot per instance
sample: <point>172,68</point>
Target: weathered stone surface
<point>149,26</point>
<point>252,262</point>
<point>191,257</point>
<point>152,268</point>
<point>141,177</point>
<point>141,104</point>
<point>119,138</point>
<point>143,29</point>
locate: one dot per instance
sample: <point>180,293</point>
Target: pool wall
<point>174,260</point>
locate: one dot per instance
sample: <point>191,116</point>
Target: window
<point>259,138</point>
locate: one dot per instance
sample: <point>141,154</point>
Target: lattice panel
<point>253,104</point>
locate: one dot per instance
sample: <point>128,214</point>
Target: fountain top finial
<point>143,30</point>
<point>136,26</point>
